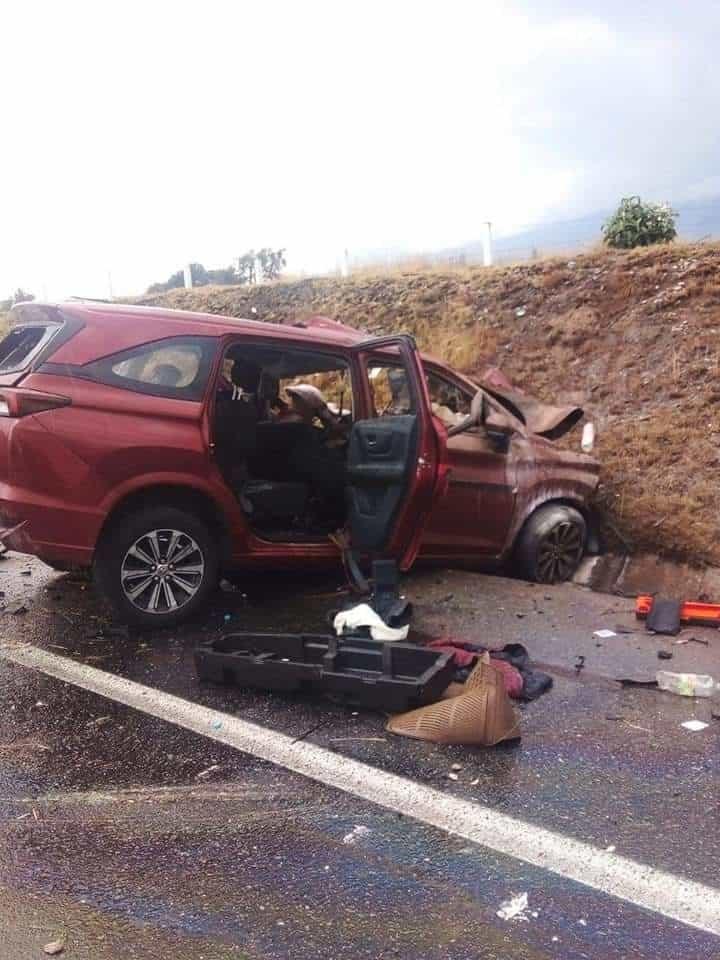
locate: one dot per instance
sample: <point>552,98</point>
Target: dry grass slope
<point>631,335</point>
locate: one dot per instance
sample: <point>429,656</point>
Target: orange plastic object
<point>692,611</point>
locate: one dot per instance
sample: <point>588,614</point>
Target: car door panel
<point>474,517</point>
<point>395,463</point>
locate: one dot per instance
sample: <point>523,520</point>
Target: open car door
<point>396,465</point>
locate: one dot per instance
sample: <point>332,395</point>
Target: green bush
<point>636,223</point>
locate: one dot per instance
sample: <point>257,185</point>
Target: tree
<point>271,262</point>
<point>637,223</point>
<point>247,268</point>
<point>21,296</point>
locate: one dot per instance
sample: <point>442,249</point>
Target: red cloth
<point>512,677</point>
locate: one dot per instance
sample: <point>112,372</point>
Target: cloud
<point>141,136</point>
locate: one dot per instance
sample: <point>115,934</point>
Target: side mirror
<point>475,418</point>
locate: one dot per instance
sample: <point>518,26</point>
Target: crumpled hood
<point>543,419</point>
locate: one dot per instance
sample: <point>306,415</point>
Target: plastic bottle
<point>686,684</point>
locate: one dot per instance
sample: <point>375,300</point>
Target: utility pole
<point>345,264</point>
<point>487,244</point>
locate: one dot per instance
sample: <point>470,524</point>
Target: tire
<point>135,551</point>
<point>552,543</point>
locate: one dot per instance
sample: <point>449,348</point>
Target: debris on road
<point>207,771</point>
<point>682,640</point>
<point>357,833</point>
<point>691,611</point>
<point>522,682</point>
<point>694,725</point>
<point>516,908</point>
<point>382,676</point>
<point>363,615</point>
<point>605,634</point>
<point>664,617</point>
<point>664,655</point>
<point>54,948</point>
<point>685,684</point>
<point>481,715</point>
<point>17,608</point>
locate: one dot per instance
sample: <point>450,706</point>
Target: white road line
<point>675,897</point>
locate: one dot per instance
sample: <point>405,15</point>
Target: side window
<point>449,402</point>
<point>22,344</point>
<point>177,367</point>
<point>389,389</point>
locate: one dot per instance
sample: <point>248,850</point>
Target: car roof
<point>112,327</point>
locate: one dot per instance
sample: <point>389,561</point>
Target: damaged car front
<point>516,495</point>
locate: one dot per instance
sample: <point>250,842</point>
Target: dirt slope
<point>633,336</point>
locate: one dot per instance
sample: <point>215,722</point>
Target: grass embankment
<point>632,336</point>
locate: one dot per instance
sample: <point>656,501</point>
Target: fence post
<point>487,244</point>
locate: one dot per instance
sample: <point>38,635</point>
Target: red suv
<point>161,448</point>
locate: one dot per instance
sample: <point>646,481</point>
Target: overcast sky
<point>140,136</point>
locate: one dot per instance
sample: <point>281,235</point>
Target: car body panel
<point>65,471</point>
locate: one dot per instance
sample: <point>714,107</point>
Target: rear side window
<point>22,344</point>
<point>177,367</point>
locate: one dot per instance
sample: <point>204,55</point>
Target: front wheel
<point>158,566</point>
<point>552,544</point>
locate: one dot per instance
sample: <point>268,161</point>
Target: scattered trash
<point>635,682</point>
<point>475,782</point>
<point>207,772</point>
<point>482,715</point>
<point>54,949</point>
<point>579,664</point>
<point>701,640</point>
<point>515,908</point>
<point>16,608</point>
<point>685,684</point>
<point>456,767</point>
<point>522,682</point>
<point>451,776</point>
<point>664,655</point>
<point>363,615</point>
<point>384,676</point>
<point>605,634</point>
<point>520,311</point>
<point>694,725</point>
<point>664,617</point>
<point>706,614</point>
<point>357,833</point>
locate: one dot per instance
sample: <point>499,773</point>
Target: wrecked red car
<point>162,448</point>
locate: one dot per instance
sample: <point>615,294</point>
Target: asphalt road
<point>125,835</point>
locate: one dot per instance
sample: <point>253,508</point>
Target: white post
<point>487,244</point>
<point>187,276</point>
<point>345,264</point>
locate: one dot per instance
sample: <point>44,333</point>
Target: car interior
<point>282,423</point>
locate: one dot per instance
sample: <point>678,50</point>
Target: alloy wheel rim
<point>162,571</point>
<point>560,552</point>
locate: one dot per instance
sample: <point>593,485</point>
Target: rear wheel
<point>157,567</point>
<point>552,544</point>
